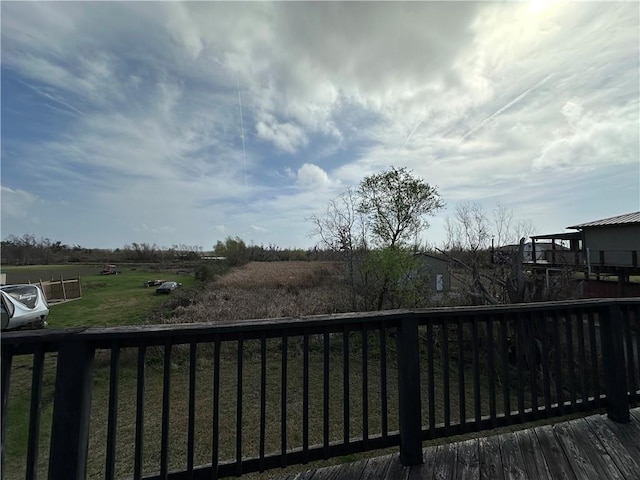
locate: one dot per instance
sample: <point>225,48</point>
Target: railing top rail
<point>186,332</point>
<point>533,306</point>
<point>202,331</point>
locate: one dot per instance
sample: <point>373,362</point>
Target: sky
<point>186,123</point>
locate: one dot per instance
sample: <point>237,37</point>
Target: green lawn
<point>109,300</point>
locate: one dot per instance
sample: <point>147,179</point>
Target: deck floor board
<point>583,448</point>
<point>628,465</point>
<point>535,464</point>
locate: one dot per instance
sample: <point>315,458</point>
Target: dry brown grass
<point>268,290</point>
<point>281,274</point>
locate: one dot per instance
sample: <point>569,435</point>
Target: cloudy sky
<point>188,122</point>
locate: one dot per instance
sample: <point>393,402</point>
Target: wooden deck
<point>587,448</point>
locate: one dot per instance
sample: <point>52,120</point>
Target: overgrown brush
<point>260,290</point>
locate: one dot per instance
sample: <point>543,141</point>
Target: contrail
<point>507,106</point>
<point>52,98</point>
<point>418,125</point>
<point>244,155</point>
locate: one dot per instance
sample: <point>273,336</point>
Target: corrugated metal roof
<point>618,220</point>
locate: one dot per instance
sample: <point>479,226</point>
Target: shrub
<point>204,274</point>
<point>234,250</point>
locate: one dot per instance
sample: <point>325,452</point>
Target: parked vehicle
<point>167,287</point>
<point>109,269</point>
<point>153,283</point>
<point>22,306</point>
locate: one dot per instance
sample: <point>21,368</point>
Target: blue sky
<point>125,122</point>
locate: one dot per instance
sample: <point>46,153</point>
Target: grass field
<point>110,300</point>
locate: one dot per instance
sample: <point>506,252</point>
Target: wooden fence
<point>61,290</point>
<point>422,374</point>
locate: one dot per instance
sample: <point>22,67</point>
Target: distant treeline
<point>30,250</point>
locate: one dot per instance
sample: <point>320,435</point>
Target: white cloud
<point>156,230</point>
<point>592,140</point>
<point>184,29</point>
<point>286,136</point>
<point>312,176</point>
<point>17,203</point>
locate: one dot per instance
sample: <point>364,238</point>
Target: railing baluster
<point>445,375</point>
<point>325,393</point>
<point>215,428</point>
<point>139,441</point>
<point>193,358</point>
<point>634,312</point>
<point>34,413</point>
<point>535,355</point>
<point>7,360</point>
<point>283,402</point>
<point>570,366</point>
<point>112,421</point>
<point>431,379</point>
<point>383,379</point>
<point>305,397</point>
<point>582,356</point>
<point>626,313</point>
<point>557,364</point>
<point>506,378</point>
<point>595,373</point>
<point>239,372</point>
<point>345,386</point>
<point>166,396</point>
<point>519,370</point>
<point>491,372</point>
<point>365,388</point>
<point>461,384</point>
<point>477,403</point>
<point>263,397</point>
<point>546,380</point>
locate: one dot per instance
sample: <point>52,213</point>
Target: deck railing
<point>233,398</point>
<point>596,259</point>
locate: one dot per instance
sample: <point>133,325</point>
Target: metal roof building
<point>606,247</point>
<point>626,219</point>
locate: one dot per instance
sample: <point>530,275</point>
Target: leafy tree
<point>395,203</point>
<point>395,279</point>
<point>387,211</point>
<point>234,249</point>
